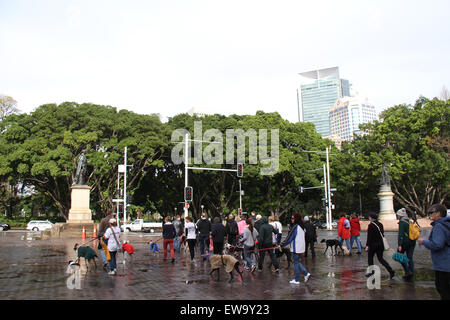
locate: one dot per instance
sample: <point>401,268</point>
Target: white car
<point>39,225</point>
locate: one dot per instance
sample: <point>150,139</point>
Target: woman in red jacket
<point>355,232</point>
<point>344,231</point>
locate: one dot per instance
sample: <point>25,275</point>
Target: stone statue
<point>81,170</point>
<point>385,177</point>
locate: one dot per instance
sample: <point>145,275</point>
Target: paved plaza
<point>33,269</point>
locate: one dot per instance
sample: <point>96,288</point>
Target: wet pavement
<point>32,269</point>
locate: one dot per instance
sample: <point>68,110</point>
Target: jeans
<point>177,243</point>
<point>298,266</point>
<point>112,262</point>
<point>168,242</point>
<point>409,251</point>
<point>204,243</point>
<point>347,243</point>
<point>358,242</point>
<point>191,244</point>
<point>247,255</point>
<point>103,255</point>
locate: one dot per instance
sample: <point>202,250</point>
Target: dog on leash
<point>87,253</point>
<point>333,243</point>
<point>230,263</point>
<point>72,267</point>
<point>279,252</point>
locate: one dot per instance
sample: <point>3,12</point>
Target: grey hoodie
<point>247,239</point>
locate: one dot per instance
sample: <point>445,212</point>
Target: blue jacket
<point>439,244</point>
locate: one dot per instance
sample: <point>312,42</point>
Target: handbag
<point>385,243</point>
<point>400,257</point>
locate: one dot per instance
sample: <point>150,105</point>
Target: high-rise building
<point>348,113</point>
<point>319,90</point>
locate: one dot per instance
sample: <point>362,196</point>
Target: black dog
<point>284,251</point>
<point>230,263</point>
<point>333,243</point>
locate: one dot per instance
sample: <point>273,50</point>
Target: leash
<point>257,250</point>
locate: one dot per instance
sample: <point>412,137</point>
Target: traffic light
<point>240,170</point>
<point>187,194</point>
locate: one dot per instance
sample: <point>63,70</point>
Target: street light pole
<point>329,191</point>
<point>186,146</point>
<point>125,190</point>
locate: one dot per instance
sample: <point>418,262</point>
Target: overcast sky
<point>233,56</point>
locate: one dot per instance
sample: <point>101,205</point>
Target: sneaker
<point>112,272</point>
<point>277,270</point>
<point>307,277</point>
<point>392,274</point>
<point>173,260</point>
<point>259,270</point>
<point>293,281</point>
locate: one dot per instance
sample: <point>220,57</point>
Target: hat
<point>373,215</point>
<point>402,212</point>
<point>306,218</point>
<point>112,220</point>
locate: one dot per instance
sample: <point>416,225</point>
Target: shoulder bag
<point>385,243</point>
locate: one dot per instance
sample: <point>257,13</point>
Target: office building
<point>348,113</point>
<point>319,90</point>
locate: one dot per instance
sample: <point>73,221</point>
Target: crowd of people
<point>261,235</point>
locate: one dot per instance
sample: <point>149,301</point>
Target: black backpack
<point>233,227</point>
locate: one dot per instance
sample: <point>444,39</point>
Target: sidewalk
<point>35,269</point>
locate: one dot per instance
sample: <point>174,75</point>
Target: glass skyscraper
<point>319,90</point>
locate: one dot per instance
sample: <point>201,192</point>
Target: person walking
<point>439,245</point>
<point>257,222</point>
<point>218,232</point>
<point>296,238</point>
<point>344,231</point>
<point>232,230</point>
<point>169,233</point>
<point>355,232</point>
<point>280,230</point>
<point>265,243</point>
<point>204,230</point>
<point>242,224</point>
<point>374,244</point>
<point>248,240</point>
<point>310,236</point>
<point>405,244</point>
<point>112,235</point>
<point>102,244</point>
<point>178,224</point>
<point>191,236</point>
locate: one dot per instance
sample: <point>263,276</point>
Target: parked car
<point>334,225</point>
<point>39,225</point>
<point>4,226</point>
<point>140,225</point>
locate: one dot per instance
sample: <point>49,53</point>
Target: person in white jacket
<point>113,236</point>
<point>296,238</point>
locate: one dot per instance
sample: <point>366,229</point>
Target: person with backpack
<point>249,240</point>
<point>218,233</point>
<point>344,232</point>
<point>232,230</point>
<point>439,245</point>
<point>265,243</point>
<point>169,233</point>
<point>406,245</point>
<point>355,232</point>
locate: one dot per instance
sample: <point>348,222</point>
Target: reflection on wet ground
<point>36,269</point>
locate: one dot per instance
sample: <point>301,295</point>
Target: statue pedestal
<point>386,197</point>
<point>79,209</point>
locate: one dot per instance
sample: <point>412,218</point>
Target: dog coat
<point>86,252</point>
<point>218,261</point>
<point>128,248</point>
<point>154,247</point>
